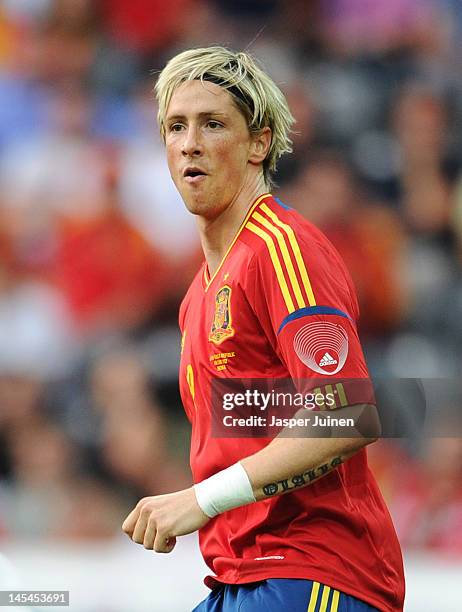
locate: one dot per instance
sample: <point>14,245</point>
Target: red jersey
<point>280,282</point>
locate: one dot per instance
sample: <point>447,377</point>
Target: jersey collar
<point>207,279</point>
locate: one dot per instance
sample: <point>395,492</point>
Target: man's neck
<point>217,234</point>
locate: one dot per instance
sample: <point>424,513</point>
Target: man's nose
<point>192,143</point>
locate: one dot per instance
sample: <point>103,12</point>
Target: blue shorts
<point>280,594</point>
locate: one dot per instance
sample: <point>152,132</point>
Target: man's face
<point>208,147</point>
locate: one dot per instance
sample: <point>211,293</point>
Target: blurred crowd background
<point>96,249</point>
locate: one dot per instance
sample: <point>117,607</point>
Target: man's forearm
<point>290,463</point>
<point>296,458</point>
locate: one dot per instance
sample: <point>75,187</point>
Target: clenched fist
<point>156,521</point>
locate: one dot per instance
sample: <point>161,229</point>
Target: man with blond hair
<point>284,522</point>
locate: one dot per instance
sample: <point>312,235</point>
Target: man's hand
<point>156,521</point>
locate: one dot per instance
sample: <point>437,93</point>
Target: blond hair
<point>256,95</point>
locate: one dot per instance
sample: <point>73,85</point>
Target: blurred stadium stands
<point>96,251</point>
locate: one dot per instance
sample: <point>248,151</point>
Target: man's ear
<point>261,142</point>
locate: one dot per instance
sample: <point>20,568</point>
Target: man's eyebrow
<point>210,113</point>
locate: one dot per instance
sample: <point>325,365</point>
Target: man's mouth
<point>193,174</point>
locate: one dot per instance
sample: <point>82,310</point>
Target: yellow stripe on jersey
<point>342,395</point>
<point>334,604</point>
<point>276,263</point>
<point>330,391</point>
<point>325,598</point>
<point>285,256</point>
<point>314,597</point>
<point>296,249</point>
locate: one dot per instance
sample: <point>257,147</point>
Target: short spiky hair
<point>256,95</point>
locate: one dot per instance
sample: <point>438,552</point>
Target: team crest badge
<point>221,326</point>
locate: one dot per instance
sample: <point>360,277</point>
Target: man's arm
<point>283,465</point>
<point>279,467</point>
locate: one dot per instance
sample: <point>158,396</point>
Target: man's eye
<point>176,127</point>
<point>214,124</point>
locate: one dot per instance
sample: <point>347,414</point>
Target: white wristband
<point>225,490</point>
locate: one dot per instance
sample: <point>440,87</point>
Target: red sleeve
<point>308,309</point>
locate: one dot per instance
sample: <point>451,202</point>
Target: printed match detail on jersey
<point>285,255</point>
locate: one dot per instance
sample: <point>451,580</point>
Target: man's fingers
<point>155,521</point>
<point>170,544</point>
<point>150,535</point>
<point>130,522</point>
<point>140,528</point>
<point>164,543</point>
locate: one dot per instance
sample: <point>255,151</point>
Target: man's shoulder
<point>276,232</point>
<point>294,261</point>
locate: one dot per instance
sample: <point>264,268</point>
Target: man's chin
<point>195,206</point>
<point>195,202</point>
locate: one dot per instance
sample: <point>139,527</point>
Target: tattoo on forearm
<point>300,480</point>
